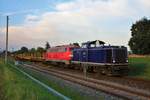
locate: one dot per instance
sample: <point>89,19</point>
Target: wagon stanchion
<point>98,70</point>
<point>16,62</point>
<point>85,70</point>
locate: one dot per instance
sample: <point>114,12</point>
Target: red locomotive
<point>60,53</point>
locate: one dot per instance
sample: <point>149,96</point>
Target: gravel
<point>92,94</point>
<point>125,80</point>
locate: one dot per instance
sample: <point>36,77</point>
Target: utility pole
<point>6,51</point>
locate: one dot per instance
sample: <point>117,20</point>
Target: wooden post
<point>6,51</point>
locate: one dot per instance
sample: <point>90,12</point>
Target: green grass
<point>140,67</point>
<point>29,90</point>
<point>15,86</point>
<point>71,93</point>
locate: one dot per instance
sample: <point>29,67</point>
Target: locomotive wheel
<point>103,71</point>
<point>109,72</point>
<point>70,66</point>
<point>90,69</point>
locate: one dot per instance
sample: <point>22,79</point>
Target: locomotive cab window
<point>84,46</point>
<point>62,50</point>
<point>65,49</point>
<point>70,49</point>
<point>92,45</point>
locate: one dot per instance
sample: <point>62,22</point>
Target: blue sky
<point>33,22</point>
<point>18,9</point>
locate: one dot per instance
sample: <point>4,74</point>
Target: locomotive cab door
<point>84,55</point>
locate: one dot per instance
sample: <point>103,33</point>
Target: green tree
<point>140,37</point>
<point>47,46</point>
<point>23,50</point>
<point>33,50</point>
<point>76,44</point>
<point>40,49</point>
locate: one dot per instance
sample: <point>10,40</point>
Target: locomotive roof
<point>64,46</point>
<point>93,42</point>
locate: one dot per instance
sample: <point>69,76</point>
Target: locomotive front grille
<point>116,55</point>
<point>120,55</point>
<point>108,56</point>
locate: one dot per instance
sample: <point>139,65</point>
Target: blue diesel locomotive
<point>109,60</point>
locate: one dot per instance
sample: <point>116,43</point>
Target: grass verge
<point>140,67</point>
<point>66,90</point>
<point>16,86</point>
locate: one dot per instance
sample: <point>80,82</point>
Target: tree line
<point>32,50</point>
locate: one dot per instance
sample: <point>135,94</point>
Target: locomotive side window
<point>65,49</point>
<point>84,46</point>
<point>70,49</point>
<point>58,49</point>
<point>92,45</point>
<point>62,49</point>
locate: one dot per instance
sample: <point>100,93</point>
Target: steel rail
<point>104,86</point>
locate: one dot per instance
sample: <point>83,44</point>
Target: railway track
<point>108,87</point>
<point>129,81</point>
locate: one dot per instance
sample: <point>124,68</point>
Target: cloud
<point>96,7</point>
<point>19,12</point>
<point>145,3</point>
<point>79,20</point>
<point>31,18</point>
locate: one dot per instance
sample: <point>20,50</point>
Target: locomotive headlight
<point>114,61</point>
<point>127,60</point>
<point>70,55</point>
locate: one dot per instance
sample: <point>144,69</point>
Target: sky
<point>33,22</point>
